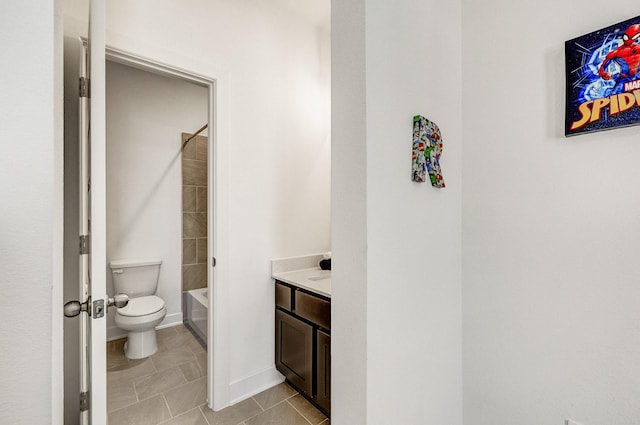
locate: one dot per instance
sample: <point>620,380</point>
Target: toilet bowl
<point>140,318</point>
<point>138,278</point>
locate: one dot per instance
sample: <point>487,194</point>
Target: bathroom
<point>146,116</point>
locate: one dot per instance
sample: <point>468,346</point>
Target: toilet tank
<point>136,277</point>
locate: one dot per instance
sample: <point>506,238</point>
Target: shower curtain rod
<point>195,134</point>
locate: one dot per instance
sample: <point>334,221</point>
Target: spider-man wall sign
<point>603,80</point>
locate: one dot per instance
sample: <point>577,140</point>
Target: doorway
<point>148,165</point>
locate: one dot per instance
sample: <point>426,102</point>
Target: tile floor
<point>169,388</point>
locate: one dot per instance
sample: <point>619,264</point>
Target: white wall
<point>146,114</point>
<point>348,213</point>
<point>412,245</point>
<point>31,214</point>
<point>277,147</point>
<point>414,252</point>
<point>550,228</point>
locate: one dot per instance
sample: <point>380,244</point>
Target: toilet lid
<point>142,306</point>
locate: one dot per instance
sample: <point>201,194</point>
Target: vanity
<point>303,331</point>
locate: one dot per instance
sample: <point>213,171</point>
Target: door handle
<point>74,308</point>
<point>118,301</point>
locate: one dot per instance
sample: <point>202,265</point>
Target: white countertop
<point>313,279</point>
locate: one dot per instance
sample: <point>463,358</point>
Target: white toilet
<point>138,278</point>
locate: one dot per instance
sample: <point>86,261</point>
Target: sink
<point>316,278</point>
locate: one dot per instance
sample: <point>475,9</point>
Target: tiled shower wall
<point>194,213</point>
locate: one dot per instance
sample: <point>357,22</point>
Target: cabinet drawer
<point>283,296</point>
<point>313,308</point>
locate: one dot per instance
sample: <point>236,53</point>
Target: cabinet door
<point>323,371</point>
<point>294,350</point>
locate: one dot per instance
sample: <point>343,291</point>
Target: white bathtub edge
<point>197,295</point>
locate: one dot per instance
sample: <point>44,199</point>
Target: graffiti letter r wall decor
<point>427,148</point>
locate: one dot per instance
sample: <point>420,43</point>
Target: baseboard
<point>114,332</point>
<point>170,320</point>
<point>242,389</point>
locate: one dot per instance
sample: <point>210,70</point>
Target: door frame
<point>217,222</point>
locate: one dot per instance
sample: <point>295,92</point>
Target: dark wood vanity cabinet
<point>303,342</point>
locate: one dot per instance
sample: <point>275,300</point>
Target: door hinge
<point>84,87</point>
<point>84,244</point>
<point>84,401</point>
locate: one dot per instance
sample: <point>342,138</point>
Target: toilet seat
<point>142,306</point>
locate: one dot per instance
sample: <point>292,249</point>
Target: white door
<point>97,207</point>
<point>92,306</point>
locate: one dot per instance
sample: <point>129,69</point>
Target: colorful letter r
<point>427,148</point>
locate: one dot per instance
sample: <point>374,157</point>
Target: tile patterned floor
<point>169,388</point>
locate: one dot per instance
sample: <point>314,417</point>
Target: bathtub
<point>197,303</point>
